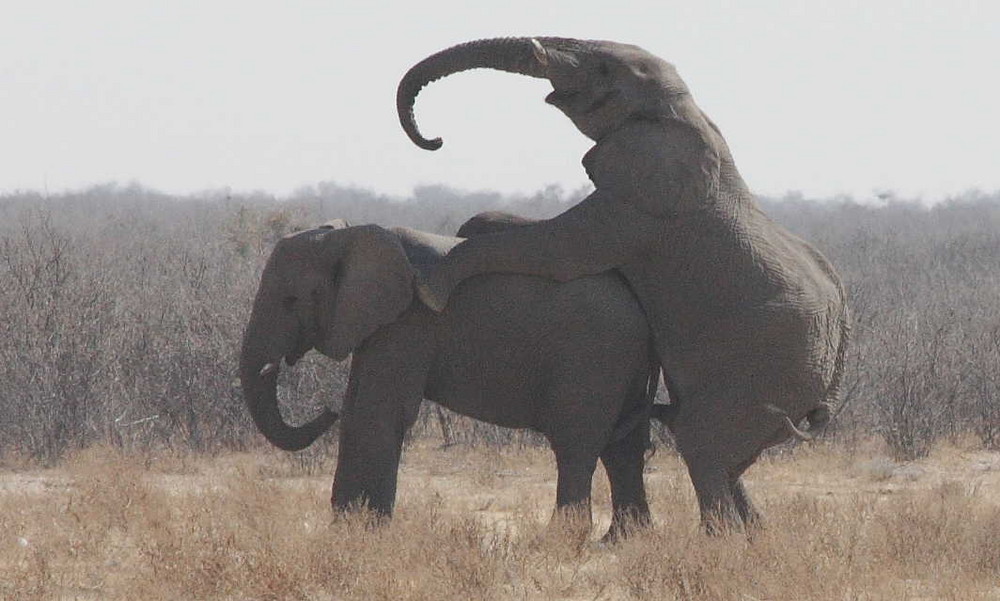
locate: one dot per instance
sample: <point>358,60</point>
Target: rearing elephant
<point>750,321</point>
<point>572,361</point>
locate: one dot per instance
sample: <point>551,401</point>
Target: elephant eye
<point>604,70</point>
<point>289,302</point>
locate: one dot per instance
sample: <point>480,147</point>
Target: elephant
<point>750,322</point>
<point>571,361</point>
<point>491,222</point>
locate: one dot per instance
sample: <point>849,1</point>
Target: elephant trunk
<point>259,380</point>
<point>516,55</point>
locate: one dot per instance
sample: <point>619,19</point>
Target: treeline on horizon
<point>123,309</point>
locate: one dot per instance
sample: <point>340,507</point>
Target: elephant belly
<point>510,346</point>
<point>496,399</point>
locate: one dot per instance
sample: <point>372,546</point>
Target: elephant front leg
<point>380,406</point>
<point>367,466</point>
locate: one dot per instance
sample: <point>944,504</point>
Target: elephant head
<point>327,289</point>
<point>599,85</point>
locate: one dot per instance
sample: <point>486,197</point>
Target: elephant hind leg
<point>717,495</point>
<point>624,461</point>
<point>748,514</point>
<point>722,498</point>
<point>575,476</point>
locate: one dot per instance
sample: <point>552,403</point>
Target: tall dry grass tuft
<point>107,526</point>
<point>854,548</point>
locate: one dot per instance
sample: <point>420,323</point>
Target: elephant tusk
<point>540,54</point>
<point>268,369</point>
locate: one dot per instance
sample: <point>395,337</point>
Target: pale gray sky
<point>182,96</point>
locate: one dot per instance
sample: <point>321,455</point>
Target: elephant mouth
<point>308,339</point>
<point>562,98</point>
<point>565,99</point>
<point>293,357</point>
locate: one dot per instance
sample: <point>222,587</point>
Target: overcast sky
<point>184,96</point>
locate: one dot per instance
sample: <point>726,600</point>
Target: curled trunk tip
<point>259,382</point>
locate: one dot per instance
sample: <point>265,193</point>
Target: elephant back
<point>424,248</point>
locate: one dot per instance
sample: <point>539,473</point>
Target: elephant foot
<point>627,523</point>
<point>615,535</point>
<point>568,525</point>
<point>719,524</point>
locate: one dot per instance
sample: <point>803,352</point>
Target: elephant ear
<point>374,286</point>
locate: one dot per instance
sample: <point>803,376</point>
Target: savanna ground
<point>471,524</point>
<point>129,468</point>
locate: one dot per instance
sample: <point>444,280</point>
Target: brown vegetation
<point>471,525</point>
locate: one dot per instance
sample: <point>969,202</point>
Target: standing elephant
<point>750,322</point>
<point>571,361</point>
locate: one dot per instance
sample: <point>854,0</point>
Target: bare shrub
<point>984,387</point>
<point>50,362</point>
<point>915,383</point>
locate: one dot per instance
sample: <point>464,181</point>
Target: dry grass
<point>470,525</point>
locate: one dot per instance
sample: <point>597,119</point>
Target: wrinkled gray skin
<point>750,322</point>
<point>572,361</point>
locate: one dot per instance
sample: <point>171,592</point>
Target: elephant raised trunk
<point>515,55</point>
<point>259,380</point>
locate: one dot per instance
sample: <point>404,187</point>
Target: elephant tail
<point>667,412</point>
<point>653,381</point>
